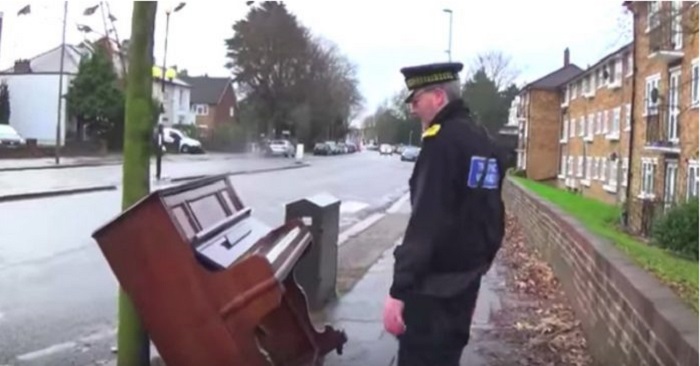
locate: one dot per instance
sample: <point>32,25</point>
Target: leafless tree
<point>499,67</point>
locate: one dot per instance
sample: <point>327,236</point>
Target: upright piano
<point>212,284</point>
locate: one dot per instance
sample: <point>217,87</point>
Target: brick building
<point>539,117</point>
<point>664,166</point>
<point>595,128</point>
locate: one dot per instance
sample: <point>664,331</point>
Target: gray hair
<point>452,89</point>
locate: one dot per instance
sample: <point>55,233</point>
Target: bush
<point>677,231</point>
<point>228,138</point>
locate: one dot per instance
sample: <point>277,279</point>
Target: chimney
<point>22,67</point>
<point>566,56</point>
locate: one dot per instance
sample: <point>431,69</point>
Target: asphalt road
<point>57,294</point>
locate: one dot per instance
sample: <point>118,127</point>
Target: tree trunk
<point>133,342</point>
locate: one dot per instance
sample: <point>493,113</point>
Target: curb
<point>46,167</point>
<point>54,193</point>
<point>372,217</point>
<point>111,187</point>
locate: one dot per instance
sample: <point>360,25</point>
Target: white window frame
<point>596,166</point>
<point>570,167</point>
<point>603,169</point>
<point>625,171</point>
<point>651,82</point>
<point>614,132</point>
<point>201,109</point>
<point>591,127</point>
<point>572,127</point>
<point>648,174</point>
<point>628,116</point>
<point>588,162</point>
<point>579,167</point>
<point>605,122</point>
<point>563,167</point>
<point>565,131</point>
<point>630,64</point>
<point>612,168</point>
<point>599,123</point>
<point>692,190</point>
<point>582,126</point>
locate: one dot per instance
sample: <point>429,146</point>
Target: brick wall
<point>629,317</point>
<point>543,146</point>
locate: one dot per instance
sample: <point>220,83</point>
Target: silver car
<point>9,137</point>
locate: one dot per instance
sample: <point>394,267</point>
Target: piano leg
<point>289,336</point>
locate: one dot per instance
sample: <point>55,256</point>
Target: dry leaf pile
<point>537,321</point>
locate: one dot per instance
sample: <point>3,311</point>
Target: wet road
<point>57,294</point>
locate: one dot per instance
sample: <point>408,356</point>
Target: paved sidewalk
<point>359,312</point>
<point>110,159</point>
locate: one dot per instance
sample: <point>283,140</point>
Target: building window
<point>648,172</point>
<point>582,126</point>
<point>591,125</point>
<point>615,129</point>
<point>612,176</point>
<point>572,128</point>
<point>562,166</point>
<point>605,122</point>
<point>599,123</point>
<point>603,169</point>
<point>201,109</point>
<point>694,84</point>
<point>596,167</point>
<point>570,166</point>
<point>625,171</point>
<point>565,130</point>
<point>691,191</point>
<point>579,170</point>
<point>652,16</point>
<point>651,107</point>
<point>628,116</point>
<point>589,164</point>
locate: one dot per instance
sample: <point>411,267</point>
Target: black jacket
<point>457,219</point>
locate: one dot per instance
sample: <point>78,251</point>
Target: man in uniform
<point>456,225</point>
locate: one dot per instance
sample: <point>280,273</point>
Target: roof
<point>604,59</point>
<point>556,78</point>
<point>205,89</point>
<point>49,61</point>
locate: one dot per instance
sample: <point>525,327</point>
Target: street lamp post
<point>60,85</point>
<point>159,148</point>
<point>449,49</point>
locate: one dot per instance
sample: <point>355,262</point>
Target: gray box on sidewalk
<point>317,271</point>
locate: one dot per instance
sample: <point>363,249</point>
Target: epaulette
<point>431,131</point>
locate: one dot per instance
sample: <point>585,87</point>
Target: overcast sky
<point>380,36</point>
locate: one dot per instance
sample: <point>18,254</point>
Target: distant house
<point>540,117</point>
<point>33,85</point>
<point>213,101</point>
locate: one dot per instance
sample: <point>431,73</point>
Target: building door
<point>673,105</point>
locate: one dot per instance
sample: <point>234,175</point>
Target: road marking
<point>397,205</point>
<point>359,227</point>
<point>350,207</point>
<point>66,346</point>
<point>47,351</point>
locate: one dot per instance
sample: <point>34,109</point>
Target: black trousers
<point>437,329</point>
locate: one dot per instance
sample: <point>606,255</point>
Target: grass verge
<point>680,274</point>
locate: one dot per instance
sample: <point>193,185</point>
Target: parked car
<point>410,153</point>
<point>9,137</point>
<point>322,148</point>
<point>181,142</point>
<point>385,149</point>
<point>281,148</point>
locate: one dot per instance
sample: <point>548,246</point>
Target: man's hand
<point>393,316</point>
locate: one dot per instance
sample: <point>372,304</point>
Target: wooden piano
<point>212,284</point>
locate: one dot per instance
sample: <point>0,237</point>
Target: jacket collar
<point>451,110</point>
